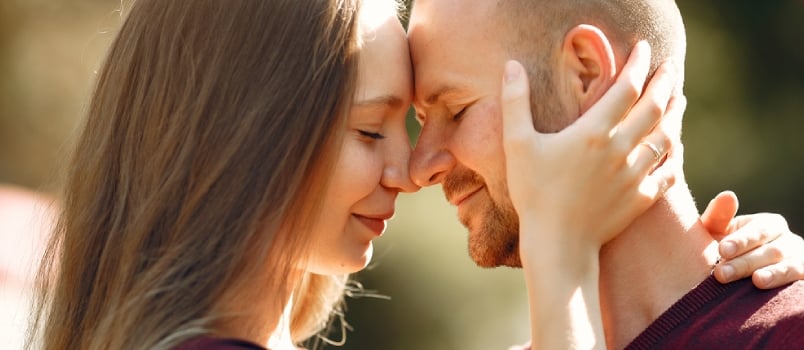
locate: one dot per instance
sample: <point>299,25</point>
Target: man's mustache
<point>460,180</point>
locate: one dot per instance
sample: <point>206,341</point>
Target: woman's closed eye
<point>371,135</point>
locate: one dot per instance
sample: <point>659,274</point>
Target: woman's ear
<point>588,61</point>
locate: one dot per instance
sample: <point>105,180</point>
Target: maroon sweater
<point>731,316</point>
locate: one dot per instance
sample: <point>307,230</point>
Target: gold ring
<point>655,150</point>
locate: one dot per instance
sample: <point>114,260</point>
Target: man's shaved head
<point>535,30</point>
<point>545,22</point>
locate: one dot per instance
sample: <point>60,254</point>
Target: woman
<point>202,141</point>
<point>237,160</point>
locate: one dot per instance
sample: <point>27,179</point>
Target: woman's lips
<point>376,225</point>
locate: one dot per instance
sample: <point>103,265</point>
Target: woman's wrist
<point>561,273</point>
<point>572,255</point>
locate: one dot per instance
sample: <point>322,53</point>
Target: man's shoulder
<point>768,306</point>
<point>736,315</point>
<point>758,318</point>
<point>783,308</point>
<point>779,321</point>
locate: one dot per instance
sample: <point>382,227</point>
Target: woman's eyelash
<point>372,135</point>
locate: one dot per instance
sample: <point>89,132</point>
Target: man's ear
<point>588,61</point>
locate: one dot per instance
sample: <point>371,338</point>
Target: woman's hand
<point>757,245</point>
<point>595,176</point>
<point>576,189</point>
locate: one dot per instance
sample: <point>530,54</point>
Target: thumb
<point>718,214</point>
<point>517,119</point>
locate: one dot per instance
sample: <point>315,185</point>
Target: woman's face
<point>372,167</point>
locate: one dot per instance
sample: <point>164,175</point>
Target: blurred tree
<point>745,84</point>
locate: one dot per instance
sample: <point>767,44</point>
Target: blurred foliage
<point>744,82</point>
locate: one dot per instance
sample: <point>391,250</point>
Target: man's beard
<point>495,242</point>
<point>494,226</point>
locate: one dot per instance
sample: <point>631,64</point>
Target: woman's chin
<point>349,263</point>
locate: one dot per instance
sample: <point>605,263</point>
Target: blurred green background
<point>743,131</point>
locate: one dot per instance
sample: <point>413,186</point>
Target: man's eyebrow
<point>388,100</point>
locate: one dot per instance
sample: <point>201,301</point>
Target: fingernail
<point>727,271</point>
<point>728,249</point>
<point>763,277</point>
<point>512,71</point>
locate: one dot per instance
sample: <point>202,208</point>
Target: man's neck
<point>661,256</point>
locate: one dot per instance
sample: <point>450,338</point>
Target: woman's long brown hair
<point>204,146</point>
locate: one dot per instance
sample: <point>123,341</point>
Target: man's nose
<point>431,160</point>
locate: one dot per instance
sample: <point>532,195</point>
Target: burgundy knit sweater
<point>731,316</point>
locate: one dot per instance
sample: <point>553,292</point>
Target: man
<point>459,49</point>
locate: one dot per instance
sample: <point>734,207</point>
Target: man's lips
<point>457,200</point>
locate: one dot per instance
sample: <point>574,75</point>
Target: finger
<point>656,184</point>
<point>649,153</point>
<point>651,107</point>
<point>745,265</point>
<point>518,127</point>
<point>673,116</point>
<point>671,126</point>
<point>788,270</point>
<point>625,91</point>
<point>718,214</point>
<point>779,274</point>
<point>751,231</point>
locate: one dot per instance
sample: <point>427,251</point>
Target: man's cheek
<point>480,130</point>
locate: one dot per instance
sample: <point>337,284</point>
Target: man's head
<point>572,49</point>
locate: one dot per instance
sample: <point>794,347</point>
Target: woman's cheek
<point>360,168</point>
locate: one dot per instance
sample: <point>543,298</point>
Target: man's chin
<point>491,254</point>
<point>493,232</point>
<point>509,261</point>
